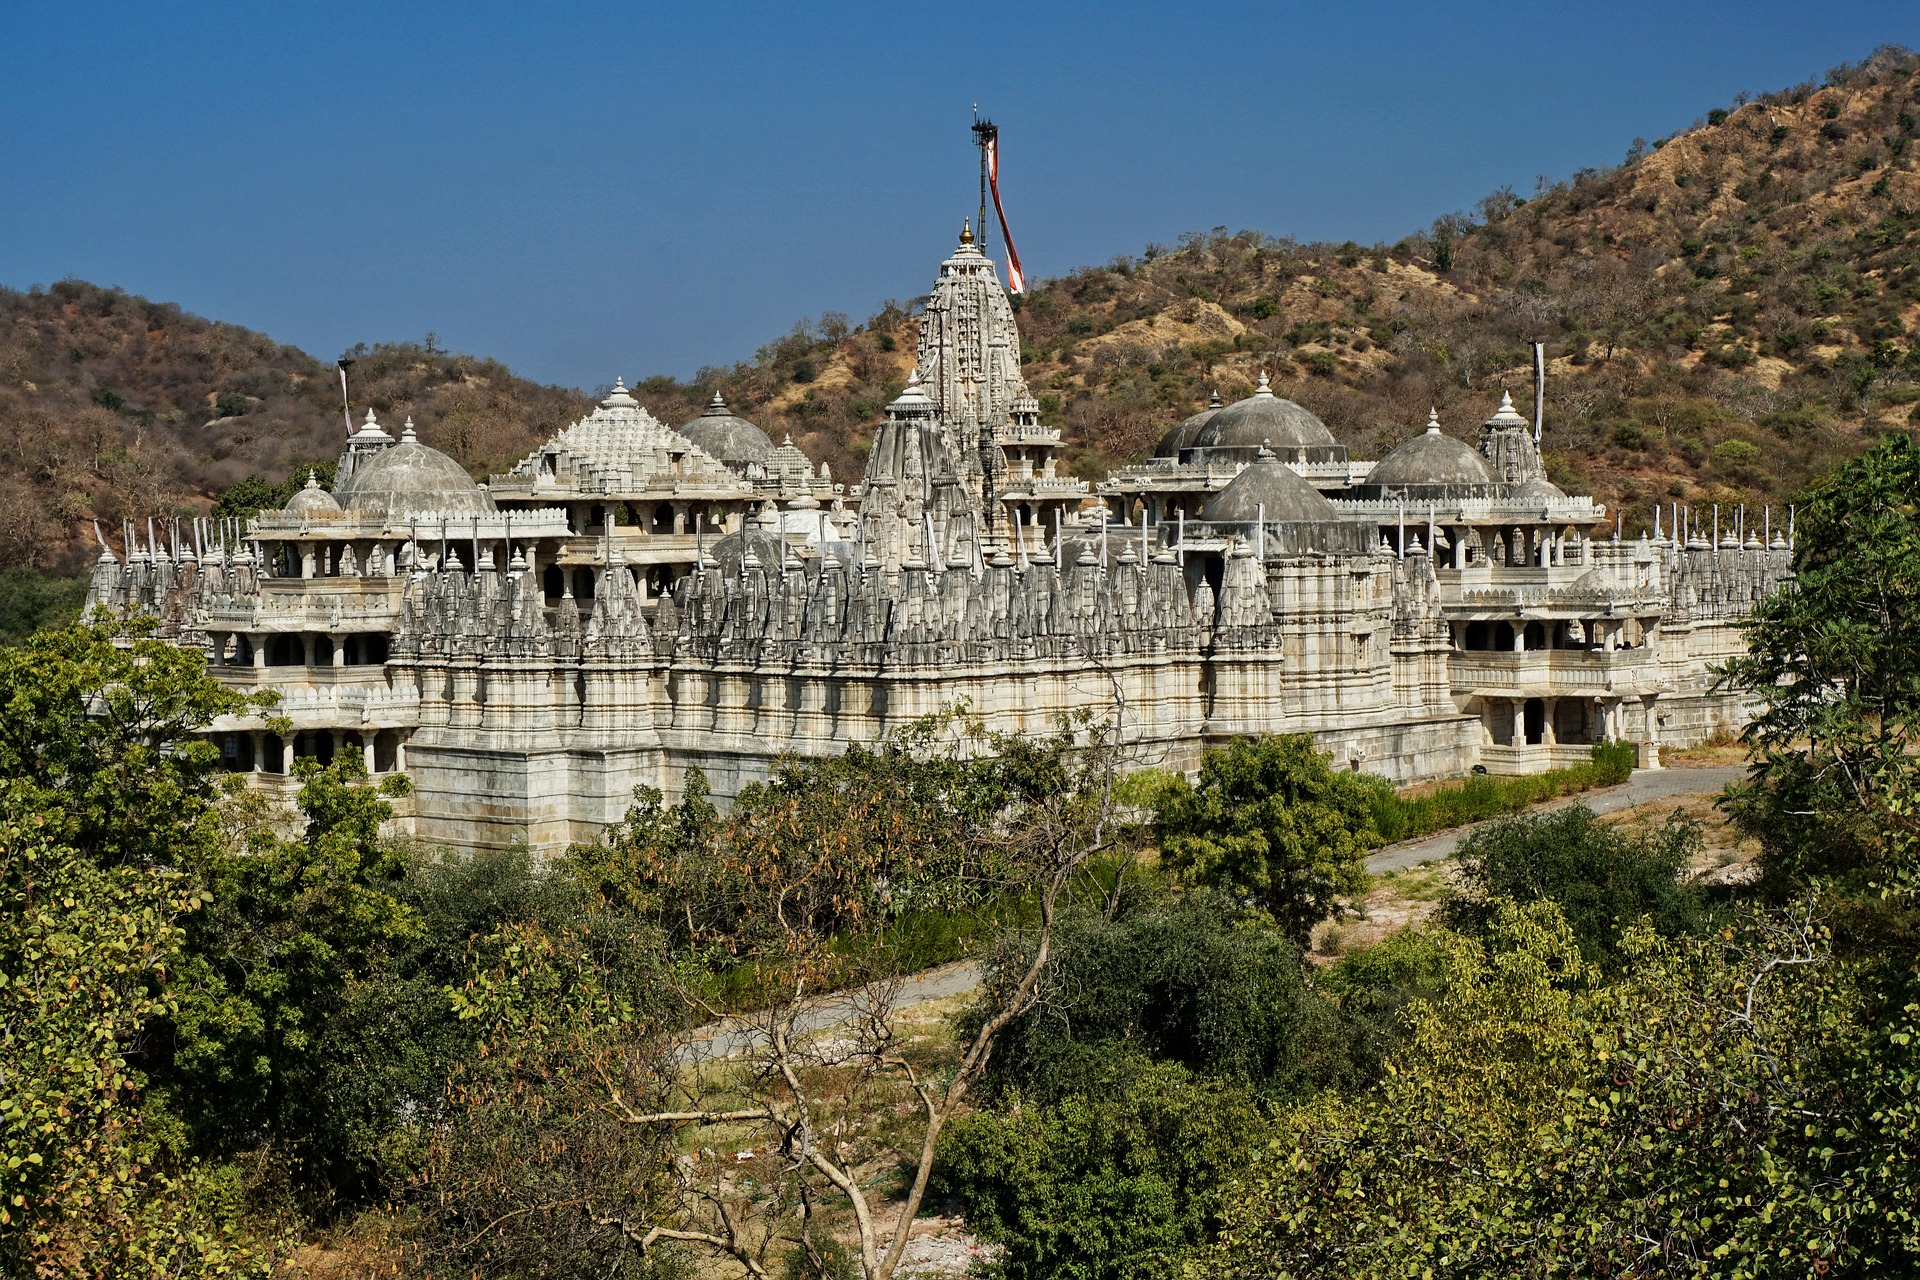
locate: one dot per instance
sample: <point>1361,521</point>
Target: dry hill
<point>1727,312</point>
<point>114,406</point>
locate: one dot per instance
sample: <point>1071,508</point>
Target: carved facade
<point>631,602</point>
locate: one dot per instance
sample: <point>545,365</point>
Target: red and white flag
<point>1016,280</point>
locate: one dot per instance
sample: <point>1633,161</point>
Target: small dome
<point>1263,419</point>
<point>1430,458</point>
<point>728,437</point>
<point>761,547</point>
<point>1506,417</point>
<point>1540,490</point>
<point>371,432</point>
<point>412,479</point>
<point>1184,433</point>
<point>913,397</point>
<point>312,502</point>
<point>1268,490</point>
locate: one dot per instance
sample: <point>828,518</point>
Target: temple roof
<point>727,436</point>
<point>1263,419</point>
<point>1272,491</point>
<point>1431,458</point>
<point>1185,432</point>
<point>412,478</point>
<point>313,502</point>
<point>621,448</point>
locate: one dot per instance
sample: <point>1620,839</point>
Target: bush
<point>1119,1183</point>
<point>32,599</point>
<point>1603,878</point>
<point>1484,796</point>
<point>1193,980</point>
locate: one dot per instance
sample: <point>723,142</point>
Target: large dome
<point>411,479</point>
<point>1431,458</point>
<point>1268,490</point>
<point>727,436</point>
<point>1264,419</point>
<point>1184,433</point>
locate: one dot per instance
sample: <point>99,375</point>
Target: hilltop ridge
<point>1727,312</point>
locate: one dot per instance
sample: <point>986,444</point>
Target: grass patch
<point>1484,796</point>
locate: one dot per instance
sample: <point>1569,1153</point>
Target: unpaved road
<point>731,1037</point>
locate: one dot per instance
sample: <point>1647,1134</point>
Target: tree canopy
<point>1269,818</point>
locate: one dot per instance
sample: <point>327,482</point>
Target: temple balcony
<point>326,704</point>
<point>307,604</point>
<point>527,522</point>
<point>1554,673</point>
<point>1573,590</point>
<point>1015,433</point>
<point>1041,487</point>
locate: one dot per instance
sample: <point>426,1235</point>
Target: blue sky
<point>585,190</point>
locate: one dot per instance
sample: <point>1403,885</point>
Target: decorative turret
<point>1506,441</point>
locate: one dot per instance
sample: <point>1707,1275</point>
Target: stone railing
<point>1454,511</point>
<point>1555,673</point>
<point>326,705</point>
<point>528,522</point>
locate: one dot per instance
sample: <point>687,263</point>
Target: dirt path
<point>732,1036</point>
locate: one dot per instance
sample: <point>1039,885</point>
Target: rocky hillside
<point>1727,311</point>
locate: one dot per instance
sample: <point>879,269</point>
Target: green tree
<point>33,599</point>
<point>1835,665</point>
<point>296,928</point>
<point>1118,1182</point>
<point>1188,979</point>
<point>1270,819</point>
<point>1603,878</point>
<point>86,953</point>
<point>99,732</point>
<point>1727,1107</point>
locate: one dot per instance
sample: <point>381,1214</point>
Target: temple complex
<point>631,602</point>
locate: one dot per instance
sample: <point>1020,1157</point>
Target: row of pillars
<point>580,518</point>
<point>1607,724</point>
<point>267,746</point>
<point>257,646</point>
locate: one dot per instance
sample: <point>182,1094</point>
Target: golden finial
<point>966,231</point>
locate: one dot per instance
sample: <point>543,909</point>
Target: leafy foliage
<point>1270,818</point>
<point>1115,1181</point>
<point>1188,980</point>
<point>33,599</point>
<point>1722,1110</point>
<point>97,733</point>
<point>296,930</point>
<point>1835,665</point>
<point>1603,878</point>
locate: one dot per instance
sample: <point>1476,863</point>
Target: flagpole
<point>981,128</point>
